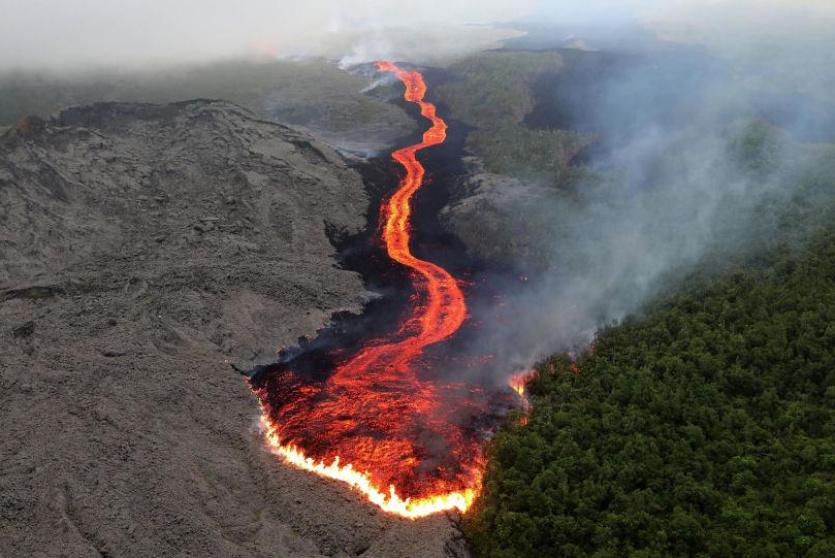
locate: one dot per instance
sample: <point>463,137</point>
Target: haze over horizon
<point>87,34</point>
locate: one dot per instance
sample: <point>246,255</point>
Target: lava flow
<point>409,443</point>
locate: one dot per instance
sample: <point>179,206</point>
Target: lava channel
<point>411,445</point>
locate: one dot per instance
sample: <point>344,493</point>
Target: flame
<point>374,422</point>
<point>518,382</point>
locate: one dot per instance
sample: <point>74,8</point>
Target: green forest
<point>704,424</point>
<point>492,92</point>
<point>703,427</point>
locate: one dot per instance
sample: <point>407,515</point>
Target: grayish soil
<point>311,94</point>
<point>141,248</point>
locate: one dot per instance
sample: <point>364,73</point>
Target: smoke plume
<point>706,137</point>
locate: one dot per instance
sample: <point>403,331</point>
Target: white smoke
<point>680,193</point>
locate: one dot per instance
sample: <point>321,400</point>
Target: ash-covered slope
<point>311,94</point>
<point>140,247</point>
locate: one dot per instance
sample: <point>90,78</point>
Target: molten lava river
<point>410,443</point>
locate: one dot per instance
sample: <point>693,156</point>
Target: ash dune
<point>142,246</point>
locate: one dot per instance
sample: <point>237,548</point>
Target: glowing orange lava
<point>375,423</point>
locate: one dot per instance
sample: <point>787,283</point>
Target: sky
<point>83,33</point>
<point>79,32</point>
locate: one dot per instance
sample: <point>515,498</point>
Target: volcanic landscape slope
<point>141,246</point>
<point>313,94</point>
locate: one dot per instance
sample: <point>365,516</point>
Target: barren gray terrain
<point>142,248</point>
<point>313,94</point>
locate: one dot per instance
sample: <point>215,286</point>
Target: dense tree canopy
<point>705,427</point>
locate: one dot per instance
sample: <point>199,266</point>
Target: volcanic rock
<point>125,434</point>
<point>487,205</point>
<point>24,330</point>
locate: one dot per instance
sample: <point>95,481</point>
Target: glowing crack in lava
<point>406,442</point>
